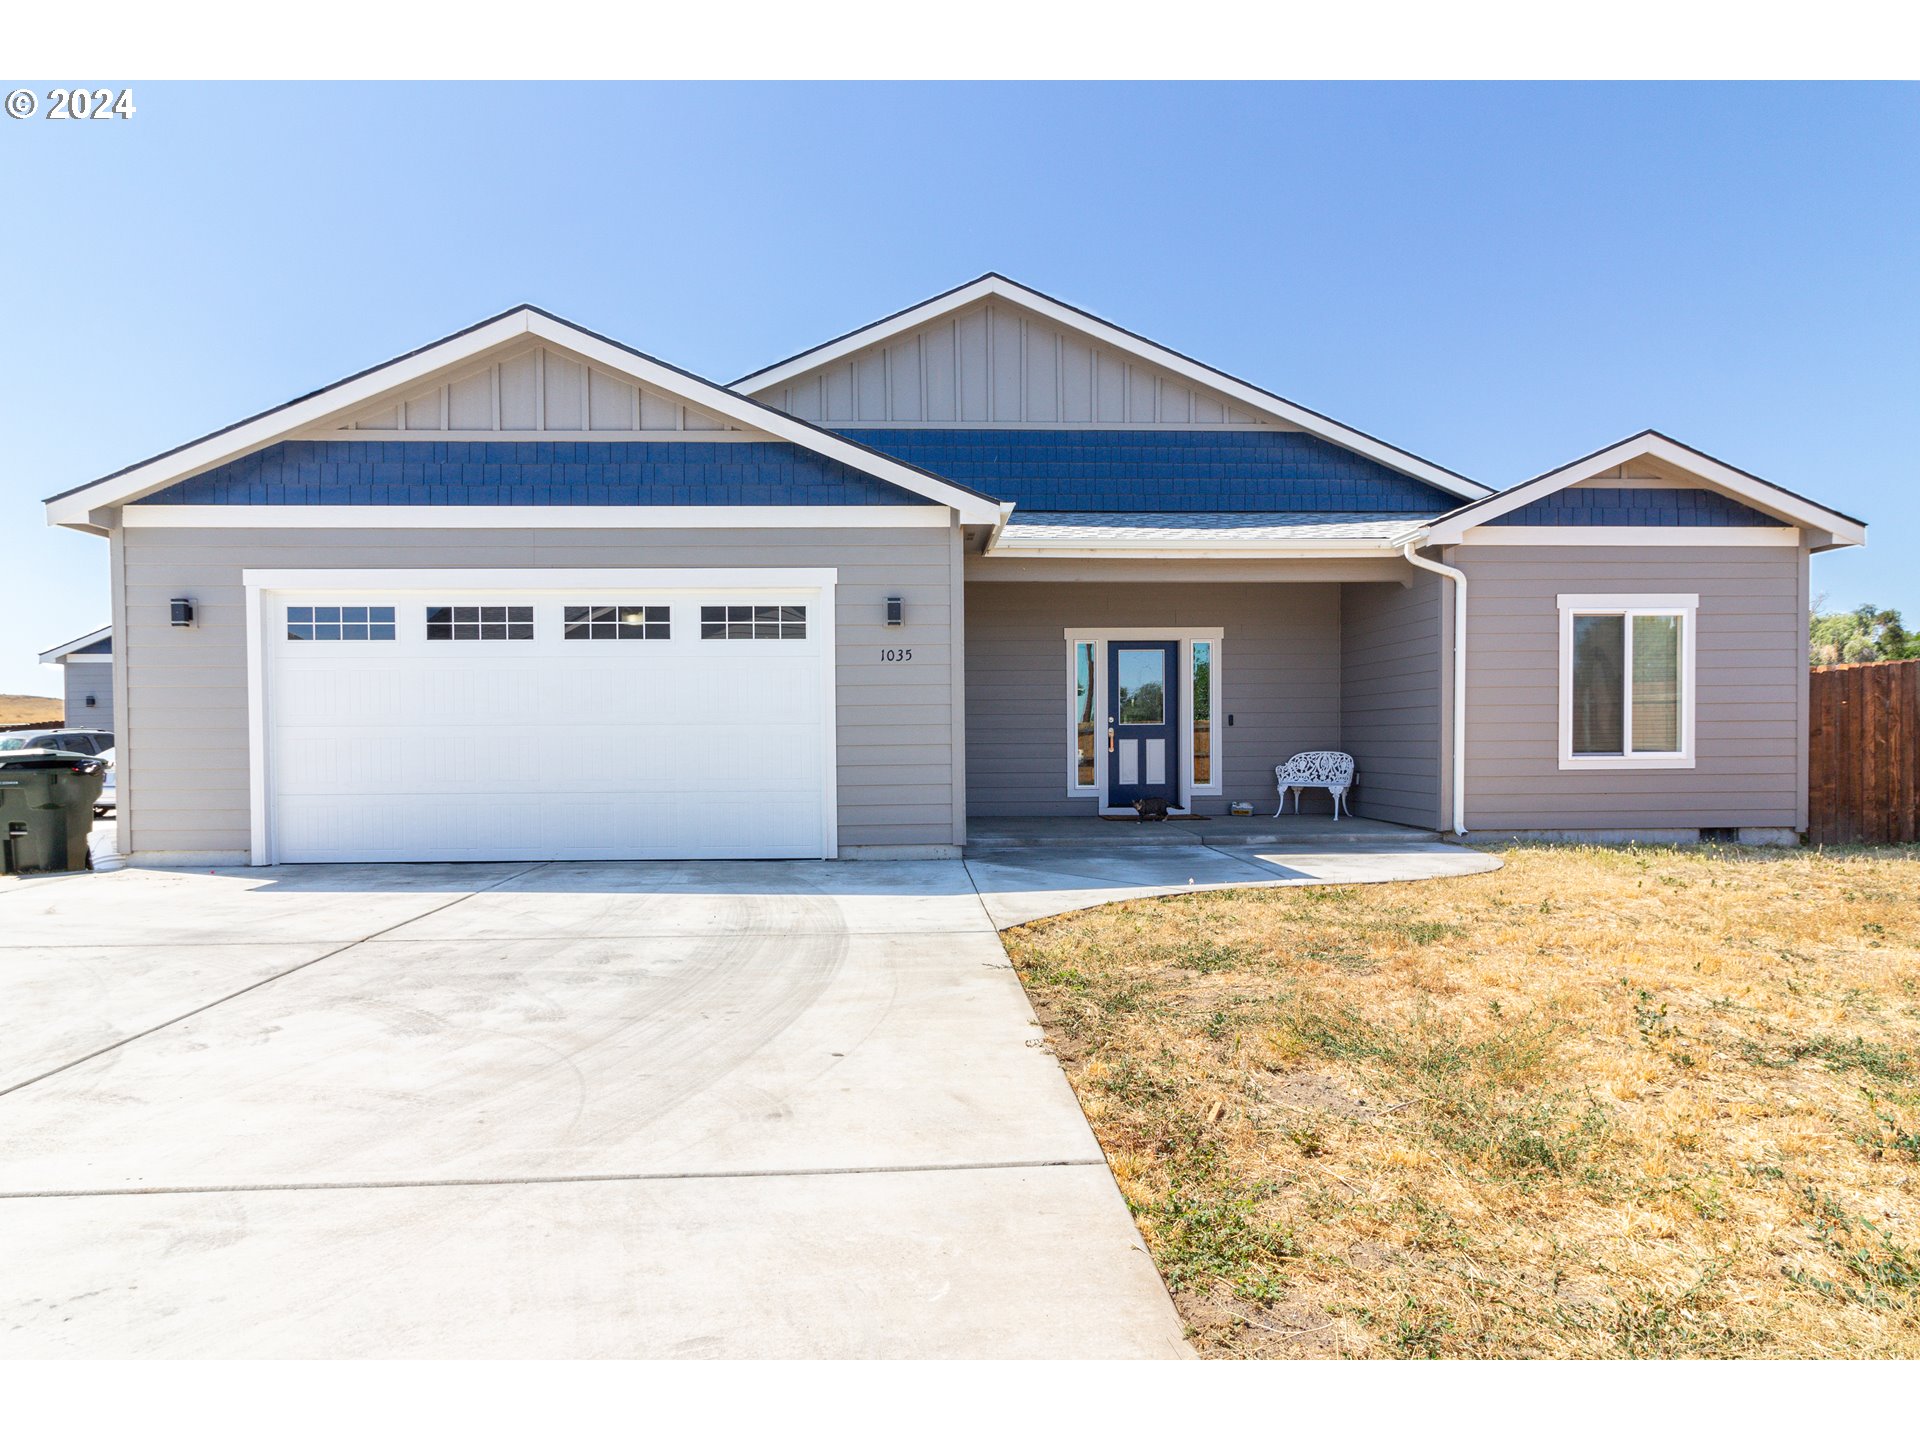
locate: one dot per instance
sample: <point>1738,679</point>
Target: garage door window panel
<point>340,622</point>
<point>617,622</point>
<point>753,622</point>
<point>479,622</point>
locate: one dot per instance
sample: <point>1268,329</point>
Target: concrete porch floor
<point>1081,832</point>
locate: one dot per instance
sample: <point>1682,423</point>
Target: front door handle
<point>1109,739</point>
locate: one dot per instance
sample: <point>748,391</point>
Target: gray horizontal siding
<point>1750,720</point>
<point>89,678</point>
<point>1390,652</point>
<point>1279,677</point>
<point>186,780</point>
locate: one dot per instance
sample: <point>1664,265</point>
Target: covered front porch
<point>1093,683</point>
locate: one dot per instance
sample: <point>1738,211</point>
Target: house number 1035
<point>896,657</point>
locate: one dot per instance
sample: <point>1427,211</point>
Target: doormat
<point>1164,820</point>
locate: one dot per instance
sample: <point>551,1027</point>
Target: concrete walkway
<point>580,1110</point>
<point>1023,881</point>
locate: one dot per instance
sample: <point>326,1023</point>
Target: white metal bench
<point>1329,770</point>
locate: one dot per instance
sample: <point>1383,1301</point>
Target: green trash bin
<point>46,809</point>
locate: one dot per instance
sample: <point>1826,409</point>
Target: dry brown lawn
<point>1603,1102</point>
<point>29,710</point>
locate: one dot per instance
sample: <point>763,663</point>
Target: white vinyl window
<point>1627,681</point>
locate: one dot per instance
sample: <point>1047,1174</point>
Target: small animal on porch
<point>1151,807</point>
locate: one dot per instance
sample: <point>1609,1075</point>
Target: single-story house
<point>86,674</point>
<point>527,592</point>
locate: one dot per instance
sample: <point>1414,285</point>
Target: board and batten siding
<point>536,391</point>
<point>1390,698</point>
<point>185,788</point>
<point>1750,701</point>
<point>1279,677</point>
<point>997,363</point>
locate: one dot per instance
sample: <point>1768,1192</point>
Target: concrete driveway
<point>568,1110</point>
<point>555,1110</point>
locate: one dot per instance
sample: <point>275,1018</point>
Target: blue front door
<point>1143,720</point>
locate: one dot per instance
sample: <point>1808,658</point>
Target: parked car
<point>74,742</point>
<point>107,792</point>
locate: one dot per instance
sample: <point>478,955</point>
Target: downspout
<point>1459,675</point>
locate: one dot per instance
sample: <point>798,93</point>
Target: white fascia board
<point>1162,551</point>
<point>1251,396</point>
<point>454,579</point>
<point>1212,546</point>
<point>1831,528</point>
<point>76,508</point>
<point>1585,535</point>
<point>533,517</point>
<point>48,657</point>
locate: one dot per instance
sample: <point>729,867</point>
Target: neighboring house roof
<point>1035,532</point>
<point>94,642</point>
<point>1185,470</point>
<point>407,372</point>
<point>995,286</point>
<point>1829,529</point>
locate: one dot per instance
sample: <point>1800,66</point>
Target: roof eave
<point>993,284</point>
<point>1827,529</point>
<point>92,637</point>
<point>81,507</point>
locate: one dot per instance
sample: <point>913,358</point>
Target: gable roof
<point>408,372</point>
<point>1829,529</point>
<point>91,638</point>
<point>997,286</point>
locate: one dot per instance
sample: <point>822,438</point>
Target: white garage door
<point>518,724</point>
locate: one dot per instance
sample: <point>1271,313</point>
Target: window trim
<point>1686,608</point>
<point>1216,729</point>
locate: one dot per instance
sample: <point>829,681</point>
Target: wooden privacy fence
<point>1863,753</point>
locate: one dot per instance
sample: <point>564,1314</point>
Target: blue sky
<point>1499,277</point>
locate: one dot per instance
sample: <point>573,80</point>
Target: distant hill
<point>30,710</point>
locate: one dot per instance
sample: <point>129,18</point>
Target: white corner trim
<point>1065,316</point>
<point>533,517</point>
<point>1716,474</point>
<point>1645,535</point>
<point>260,584</point>
<point>410,371</point>
<point>1685,606</point>
<point>259,782</point>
